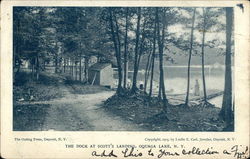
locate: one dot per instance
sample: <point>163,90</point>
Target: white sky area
<point>211,34</point>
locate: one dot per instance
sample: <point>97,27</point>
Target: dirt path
<point>76,112</point>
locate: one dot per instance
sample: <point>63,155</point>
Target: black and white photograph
<point>123,68</point>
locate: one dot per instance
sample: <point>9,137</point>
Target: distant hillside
<point>180,57</point>
<point>211,56</point>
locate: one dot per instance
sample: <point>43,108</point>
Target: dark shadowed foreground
<point>140,110</point>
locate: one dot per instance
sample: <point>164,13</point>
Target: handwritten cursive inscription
<point>104,154</point>
<point>198,151</point>
<point>236,151</point>
<point>131,153</point>
<point>163,153</point>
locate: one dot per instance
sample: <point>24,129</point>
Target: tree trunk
<point>202,57</point>
<point>68,65</point>
<point>159,87</point>
<point>141,48</point>
<point>56,65</point>
<point>80,69</point>
<point>57,59</point>
<point>44,65</point>
<point>136,68</point>
<point>161,48</point>
<point>153,62</point>
<point>86,69</point>
<point>226,110</point>
<point>64,65</point>
<point>126,52</point>
<point>14,63</point>
<point>117,52</point>
<point>189,58</point>
<point>72,68</point>
<point>60,63</point>
<point>37,67</point>
<point>75,70</point>
<point>148,73</point>
<point>148,65</point>
<point>119,63</point>
<point>33,68</point>
<point>80,61</point>
<point>17,50</point>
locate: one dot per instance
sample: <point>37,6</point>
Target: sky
<point>211,34</point>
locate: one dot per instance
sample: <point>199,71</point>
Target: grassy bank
<point>44,89</point>
<point>77,87</point>
<point>148,113</point>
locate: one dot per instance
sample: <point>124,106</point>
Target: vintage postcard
<point>125,79</point>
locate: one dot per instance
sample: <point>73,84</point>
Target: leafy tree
<point>208,21</point>
<point>136,59</point>
<point>161,39</point>
<point>117,46</point>
<point>153,57</point>
<point>190,55</point>
<point>30,34</point>
<point>126,49</point>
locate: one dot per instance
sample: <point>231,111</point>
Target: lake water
<point>176,80</point>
